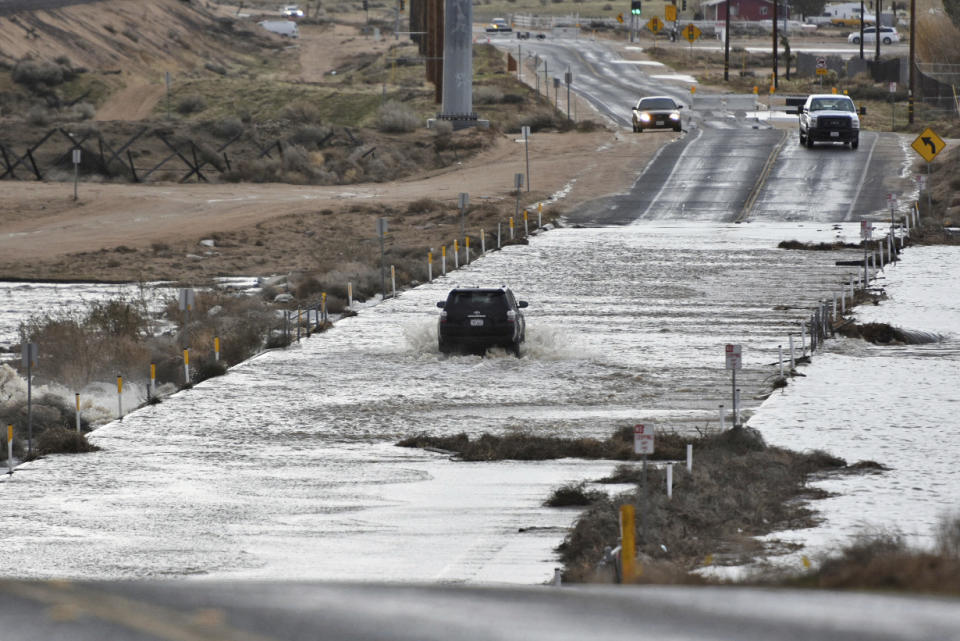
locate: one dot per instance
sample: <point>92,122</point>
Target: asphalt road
<point>733,163</point>
<point>213,611</point>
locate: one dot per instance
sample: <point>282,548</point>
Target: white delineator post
<point>483,242</point>
<point>669,480</point>
<point>780,358</point>
<point>793,360</point>
<point>690,457</point>
<point>393,280</point>
<point>119,397</point>
<point>443,252</point>
<point>77,395</point>
<point>216,342</point>
<point>723,419</point>
<point>10,449</point>
<point>430,267</point>
<point>186,366</point>
<point>350,294</point>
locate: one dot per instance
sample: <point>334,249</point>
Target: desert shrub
<point>396,117</point>
<point>227,128</point>
<point>82,111</point>
<point>207,368</point>
<point>513,99</point>
<point>33,73</point>
<point>423,206</point>
<point>131,35</point>
<point>442,128</point>
<point>539,120</point>
<point>302,111</point>
<point>38,116</point>
<point>91,344</point>
<point>573,495</point>
<point>948,535</point>
<point>61,440</point>
<point>309,135</point>
<point>215,68</point>
<point>191,104</point>
<point>488,95</point>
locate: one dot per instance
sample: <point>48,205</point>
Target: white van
<point>286,28</point>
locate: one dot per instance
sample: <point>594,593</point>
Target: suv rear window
<point>465,301</point>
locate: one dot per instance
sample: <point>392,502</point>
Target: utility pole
<point>876,29</point>
<point>861,29</point>
<point>726,42</point>
<point>913,61</point>
<point>776,59</point>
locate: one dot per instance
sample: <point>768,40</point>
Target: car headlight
<point>675,116</point>
<point>645,117</point>
<point>855,123</point>
<point>813,121</point>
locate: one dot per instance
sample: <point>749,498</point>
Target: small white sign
<point>525,131</point>
<point>187,299</point>
<point>733,354</point>
<point>821,63</point>
<point>76,156</point>
<point>866,229</point>
<point>893,87</point>
<point>643,439</point>
<point>381,226</point>
<point>463,199</point>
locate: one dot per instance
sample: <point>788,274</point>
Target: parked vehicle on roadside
<point>829,118</point>
<point>286,28</point>
<point>499,25</point>
<point>292,11</point>
<point>656,112</point>
<point>888,35</point>
<point>476,319</point>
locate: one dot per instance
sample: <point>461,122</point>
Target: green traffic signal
<point>635,7</point>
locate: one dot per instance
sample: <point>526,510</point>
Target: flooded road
<point>285,468</point>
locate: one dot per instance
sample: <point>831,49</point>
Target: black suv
<point>475,319</point>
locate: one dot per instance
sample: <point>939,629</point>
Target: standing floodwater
<point>286,466</point>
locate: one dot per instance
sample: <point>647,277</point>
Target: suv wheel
<point>854,143</point>
<point>856,40</point>
<point>809,142</point>
<point>803,138</point>
<point>887,41</point>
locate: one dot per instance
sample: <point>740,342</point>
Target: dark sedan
<point>656,112</point>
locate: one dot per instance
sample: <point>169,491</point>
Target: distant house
<point>750,10</point>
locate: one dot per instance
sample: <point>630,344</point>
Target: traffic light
<point>635,7</point>
<point>365,5</point>
<point>401,5</point>
<point>683,5</point>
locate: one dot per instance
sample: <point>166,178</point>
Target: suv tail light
<point>443,316</point>
<point>511,316</point>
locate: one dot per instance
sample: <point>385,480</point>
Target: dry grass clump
<point>884,334</point>
<point>89,344</point>
<point>397,117</point>
<point>54,425</point>
<point>938,40</point>
<point>573,495</point>
<point>796,244</point>
<point>738,488</point>
<point>883,561</point>
<point>61,440</point>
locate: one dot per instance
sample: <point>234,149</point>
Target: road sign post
<point>928,144</point>
<point>382,232</point>
<point>643,444</point>
<point>733,363</point>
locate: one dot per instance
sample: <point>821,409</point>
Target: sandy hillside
<point>129,231</point>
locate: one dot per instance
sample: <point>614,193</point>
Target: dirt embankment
<point>116,231</point>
